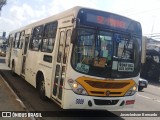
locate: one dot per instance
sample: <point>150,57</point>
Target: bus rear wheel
<point>41,89</point>
<point>13,70</point>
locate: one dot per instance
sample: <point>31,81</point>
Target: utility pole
<point>2,3</point>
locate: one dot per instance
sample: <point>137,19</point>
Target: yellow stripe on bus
<point>98,87</point>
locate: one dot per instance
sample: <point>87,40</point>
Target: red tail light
<point>128,102</point>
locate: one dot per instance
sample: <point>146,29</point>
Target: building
<point>150,68</point>
<point>152,44</point>
<point>3,40</point>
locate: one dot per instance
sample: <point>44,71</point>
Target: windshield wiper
<point>97,45</point>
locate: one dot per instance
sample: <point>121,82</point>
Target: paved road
<point>147,100</point>
<point>9,100</point>
<point>29,96</point>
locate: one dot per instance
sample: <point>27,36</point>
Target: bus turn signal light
<point>77,88</point>
<point>128,102</point>
<point>131,91</point>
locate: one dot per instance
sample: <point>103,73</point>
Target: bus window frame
<point>16,40</point>
<point>21,39</point>
<point>35,37</point>
<point>49,36</point>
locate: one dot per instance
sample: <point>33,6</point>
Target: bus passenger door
<point>61,61</point>
<point>25,45</point>
<point>9,50</point>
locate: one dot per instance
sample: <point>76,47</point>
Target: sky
<point>18,13</point>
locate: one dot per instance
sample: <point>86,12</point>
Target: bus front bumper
<point>74,101</point>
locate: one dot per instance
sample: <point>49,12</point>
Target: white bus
<point>81,58</point>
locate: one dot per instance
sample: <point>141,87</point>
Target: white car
<point>142,84</point>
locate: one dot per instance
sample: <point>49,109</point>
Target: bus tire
<point>13,69</point>
<point>41,89</point>
<point>140,88</point>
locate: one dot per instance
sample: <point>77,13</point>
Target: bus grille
<point>107,85</point>
<point>105,88</point>
<point>102,93</point>
<point>105,102</point>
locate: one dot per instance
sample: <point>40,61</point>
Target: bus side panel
<point>18,61</point>
<point>7,60</point>
<point>47,69</point>
<point>32,60</point>
<point>16,56</point>
<point>8,50</point>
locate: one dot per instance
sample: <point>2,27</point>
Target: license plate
<point>141,84</point>
<point>126,67</point>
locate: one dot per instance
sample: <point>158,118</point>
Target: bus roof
<point>73,11</point>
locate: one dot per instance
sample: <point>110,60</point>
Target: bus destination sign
<point>109,21</point>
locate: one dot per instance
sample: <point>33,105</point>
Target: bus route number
<point>79,101</point>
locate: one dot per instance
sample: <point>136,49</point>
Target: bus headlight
<point>77,88</point>
<point>131,91</point>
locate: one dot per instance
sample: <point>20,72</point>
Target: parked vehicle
<point>3,50</point>
<point>2,53</point>
<point>142,84</point>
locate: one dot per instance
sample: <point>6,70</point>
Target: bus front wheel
<point>140,88</point>
<point>41,89</point>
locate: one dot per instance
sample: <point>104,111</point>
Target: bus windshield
<point>105,54</point>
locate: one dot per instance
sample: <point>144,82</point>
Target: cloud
<point>57,6</point>
<point>20,13</point>
<point>26,12</point>
<point>17,13</point>
<point>23,13</point>
<point>7,24</point>
<point>144,11</point>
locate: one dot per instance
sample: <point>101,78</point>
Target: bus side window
<point>16,40</point>
<point>60,49</point>
<point>66,50</point>
<point>21,40</point>
<point>49,37</point>
<point>9,41</point>
<point>36,38</point>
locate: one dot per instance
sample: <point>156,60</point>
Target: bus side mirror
<point>74,35</point>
